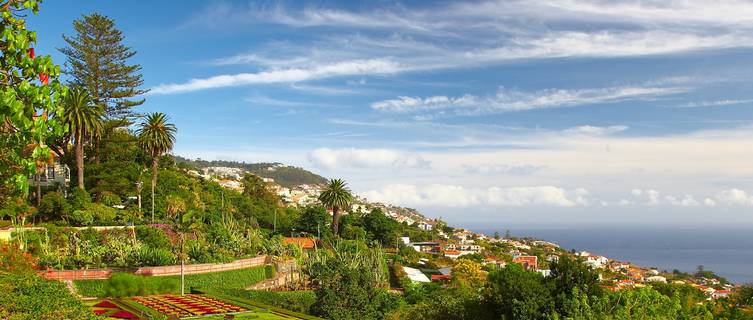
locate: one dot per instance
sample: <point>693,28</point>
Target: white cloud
<point>685,201</point>
<point>735,197</point>
<point>441,195</point>
<point>649,197</point>
<point>522,169</point>
<point>345,158</point>
<point>513,100</point>
<point>716,103</point>
<point>347,68</point>
<point>595,130</point>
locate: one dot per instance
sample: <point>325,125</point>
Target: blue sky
<point>511,112</point>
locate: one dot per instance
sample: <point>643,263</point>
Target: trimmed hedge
<point>129,284</point>
<point>255,304</point>
<point>298,301</point>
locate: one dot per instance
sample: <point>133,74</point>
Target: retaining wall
<point>97,274</point>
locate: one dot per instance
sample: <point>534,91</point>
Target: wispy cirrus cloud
<point>506,100</point>
<point>715,103</point>
<point>347,68</point>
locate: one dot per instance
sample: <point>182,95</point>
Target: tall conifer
<point>98,61</point>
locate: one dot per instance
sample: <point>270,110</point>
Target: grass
<point>298,301</point>
<point>234,279</point>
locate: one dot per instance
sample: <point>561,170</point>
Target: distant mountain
<point>284,175</point>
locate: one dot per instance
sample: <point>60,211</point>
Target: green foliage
<point>351,280</point>
<point>132,284</point>
<point>517,293</point>
<point>79,199</point>
<point>298,301</point>
<point>31,297</point>
<point>23,98</point>
<point>461,303</point>
<point>81,218</point>
<point>54,206</point>
<point>126,284</point>
<point>337,196</point>
<point>112,84</point>
<point>153,237</point>
<point>109,198</point>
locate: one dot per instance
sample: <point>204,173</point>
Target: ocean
<point>728,251</point>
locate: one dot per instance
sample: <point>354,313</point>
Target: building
<point>528,262</point>
<point>415,275</point>
<point>55,175</point>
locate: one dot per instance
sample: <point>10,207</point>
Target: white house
<point>416,275</point>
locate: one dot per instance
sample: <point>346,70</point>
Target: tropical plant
<point>84,121</point>
<point>26,102</point>
<point>185,224</point>
<point>156,137</point>
<point>338,197</point>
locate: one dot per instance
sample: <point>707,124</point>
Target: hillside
<point>284,175</point>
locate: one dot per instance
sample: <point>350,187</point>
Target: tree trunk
<point>154,181</point>
<point>39,189</point>
<point>182,264</point>
<point>80,160</point>
<point>335,220</point>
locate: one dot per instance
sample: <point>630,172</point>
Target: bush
<point>13,259</point>
<point>31,297</point>
<point>149,256</point>
<point>109,199</point>
<point>81,218</point>
<point>80,198</point>
<point>153,237</point>
<point>54,206</point>
<point>101,213</point>
<point>126,285</point>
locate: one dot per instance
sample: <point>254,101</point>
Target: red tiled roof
<point>304,243</point>
<point>440,277</point>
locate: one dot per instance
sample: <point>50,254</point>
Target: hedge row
<point>125,284</point>
<point>298,301</point>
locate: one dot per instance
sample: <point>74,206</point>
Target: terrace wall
<point>97,274</point>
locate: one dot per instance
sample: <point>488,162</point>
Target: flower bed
<point>189,305</point>
<point>106,308</point>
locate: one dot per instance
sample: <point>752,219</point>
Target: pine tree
<point>98,61</point>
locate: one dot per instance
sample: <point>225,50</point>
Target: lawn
<point>127,284</point>
<point>298,301</point>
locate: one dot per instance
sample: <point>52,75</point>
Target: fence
<point>95,274</point>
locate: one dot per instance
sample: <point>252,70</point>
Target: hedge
<point>298,301</point>
<point>129,284</point>
<point>255,304</point>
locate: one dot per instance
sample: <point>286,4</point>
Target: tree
<point>467,272</point>
<point>156,137</point>
<point>98,61</point>
<point>84,121</point>
<point>312,219</point>
<point>338,197</point>
<point>516,293</point>
<point>183,225</point>
<point>24,103</point>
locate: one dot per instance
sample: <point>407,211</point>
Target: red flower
<point>31,53</point>
<point>44,78</point>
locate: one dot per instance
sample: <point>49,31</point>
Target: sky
<point>532,112</point>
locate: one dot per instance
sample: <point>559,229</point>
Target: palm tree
<point>84,121</point>
<point>156,137</point>
<point>336,196</point>
<point>185,223</point>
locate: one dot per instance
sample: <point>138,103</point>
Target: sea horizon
<point>725,250</point>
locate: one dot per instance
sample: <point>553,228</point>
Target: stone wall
<point>92,274</point>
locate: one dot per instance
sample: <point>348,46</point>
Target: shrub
<point>31,297</point>
<point>126,284</point>
<point>149,256</point>
<point>81,218</point>
<point>101,213</point>
<point>153,237</point>
<point>13,259</point>
<point>54,206</point>
<point>109,199</point>
<point>80,198</point>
